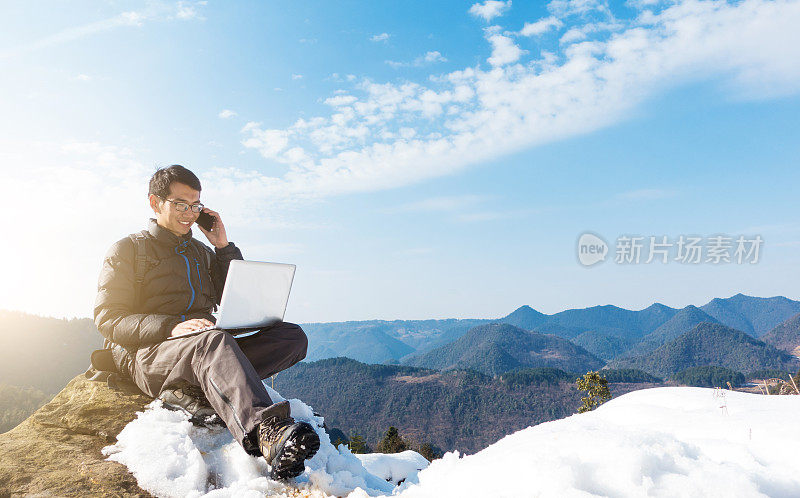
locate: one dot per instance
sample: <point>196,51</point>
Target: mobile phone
<point>206,221</point>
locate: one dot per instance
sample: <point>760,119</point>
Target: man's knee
<point>211,339</point>
<point>299,338</point>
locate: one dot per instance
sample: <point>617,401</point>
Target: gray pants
<point>228,370</point>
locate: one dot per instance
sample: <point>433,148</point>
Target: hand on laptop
<point>190,326</point>
<point>217,235</point>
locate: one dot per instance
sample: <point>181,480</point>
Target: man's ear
<point>155,204</point>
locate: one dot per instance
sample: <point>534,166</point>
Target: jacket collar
<point>164,235</point>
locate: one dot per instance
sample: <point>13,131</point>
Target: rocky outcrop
<point>56,451</point>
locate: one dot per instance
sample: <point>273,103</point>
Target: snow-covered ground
<point>654,442</point>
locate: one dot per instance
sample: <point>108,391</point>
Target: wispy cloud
<point>380,38</point>
<point>155,11</point>
<point>384,135</point>
<point>431,57</point>
<point>297,76</point>
<point>490,9</point>
<point>226,113</point>
<point>541,26</point>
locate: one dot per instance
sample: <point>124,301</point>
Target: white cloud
<point>433,56</point>
<point>268,142</point>
<point>477,114</point>
<point>188,10</point>
<point>573,35</point>
<point>541,26</point>
<point>504,50</point>
<point>340,100</point>
<point>83,77</point>
<point>489,9</point>
<point>297,76</point>
<point>227,113</point>
<point>564,8</point>
<point>380,38</point>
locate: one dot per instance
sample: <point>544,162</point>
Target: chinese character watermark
<point>661,249</point>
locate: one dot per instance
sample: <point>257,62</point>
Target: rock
<point>56,451</point>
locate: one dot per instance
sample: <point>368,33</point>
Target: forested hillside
<point>458,409</point>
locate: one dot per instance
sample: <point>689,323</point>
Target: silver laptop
<point>254,297</point>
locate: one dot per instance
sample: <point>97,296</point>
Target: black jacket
<point>178,286</point>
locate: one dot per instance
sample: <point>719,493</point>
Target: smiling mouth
<point>185,223</point>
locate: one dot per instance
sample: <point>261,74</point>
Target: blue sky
<point>414,159</point>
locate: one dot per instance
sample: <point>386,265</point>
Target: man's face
<point>167,214</point>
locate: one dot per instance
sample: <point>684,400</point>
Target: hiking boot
<point>191,400</point>
<point>286,444</point>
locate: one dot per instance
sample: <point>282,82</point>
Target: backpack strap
<point>140,265</point>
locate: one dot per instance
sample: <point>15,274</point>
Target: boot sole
<point>298,447</point>
<point>209,421</point>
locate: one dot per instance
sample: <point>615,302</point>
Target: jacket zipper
<point>197,263</point>
<point>182,248</point>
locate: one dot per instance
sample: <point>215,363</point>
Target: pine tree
<point>357,444</point>
<point>392,442</point>
<point>596,388</point>
<point>428,452</point>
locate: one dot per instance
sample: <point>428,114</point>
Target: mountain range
<point>45,352</point>
<point>606,331</point>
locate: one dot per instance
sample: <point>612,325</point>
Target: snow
<point>394,468</point>
<point>654,442</point>
<point>169,456</point>
<point>668,441</point>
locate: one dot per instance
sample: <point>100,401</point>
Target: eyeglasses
<point>182,206</point>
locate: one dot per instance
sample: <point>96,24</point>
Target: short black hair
<point>163,178</point>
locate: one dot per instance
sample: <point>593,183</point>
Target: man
<point>181,285</point>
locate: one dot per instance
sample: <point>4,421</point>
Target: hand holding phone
<point>206,221</point>
<point>211,225</point>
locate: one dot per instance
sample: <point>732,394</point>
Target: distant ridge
<point>711,344</point>
<point>525,317</point>
<point>605,321</point>
<point>753,315</point>
<point>382,341</point>
<point>682,322</point>
<point>496,348</point>
<point>785,336</point>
